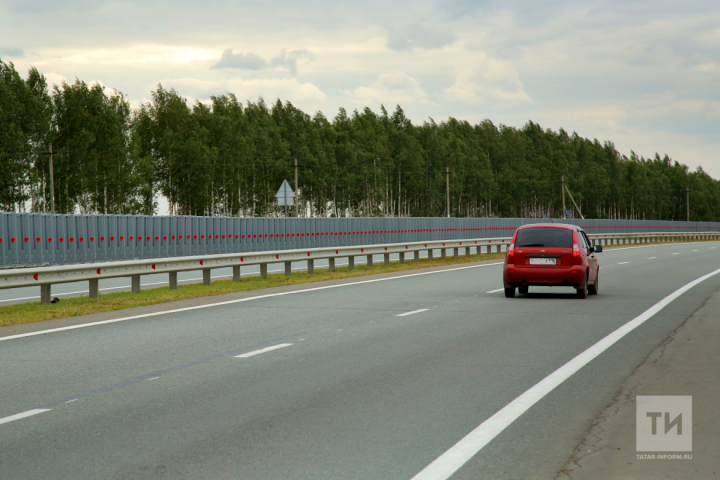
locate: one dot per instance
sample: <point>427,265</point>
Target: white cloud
<point>390,88</point>
<point>54,79</point>
<point>486,79</point>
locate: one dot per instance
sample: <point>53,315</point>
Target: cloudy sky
<point>644,74</point>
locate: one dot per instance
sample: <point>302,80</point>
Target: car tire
<point>595,288</point>
<point>582,291</point>
<point>523,290</point>
<point>509,292</point>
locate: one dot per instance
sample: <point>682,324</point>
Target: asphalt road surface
<point>367,379</point>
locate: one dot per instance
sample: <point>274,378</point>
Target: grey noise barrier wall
<point>33,239</point>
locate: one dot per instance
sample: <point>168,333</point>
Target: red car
<point>554,255</point>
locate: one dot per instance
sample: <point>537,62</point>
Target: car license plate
<point>543,261</point>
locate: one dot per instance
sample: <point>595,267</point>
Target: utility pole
<point>687,201</point>
<point>447,189</point>
<point>297,192</point>
<point>52,183</point>
<point>562,188</point>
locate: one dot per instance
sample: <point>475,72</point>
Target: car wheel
<point>523,289</point>
<point>510,292</point>
<point>582,291</point>
<point>594,289</point>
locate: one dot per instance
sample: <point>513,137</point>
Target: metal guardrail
<point>93,272</point>
<point>30,239</point>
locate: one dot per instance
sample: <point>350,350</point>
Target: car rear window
<point>544,237</point>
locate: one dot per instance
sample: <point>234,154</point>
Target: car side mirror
<point>597,249</point>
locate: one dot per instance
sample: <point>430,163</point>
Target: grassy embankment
<point>71,307</point>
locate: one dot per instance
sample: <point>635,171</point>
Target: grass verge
<point>72,307</point>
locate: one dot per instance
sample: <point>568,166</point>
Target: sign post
<point>285,196</point>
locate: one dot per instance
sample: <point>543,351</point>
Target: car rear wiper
<point>533,245</point>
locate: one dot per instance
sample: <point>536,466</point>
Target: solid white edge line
<point>495,291</point>
<point>410,313</point>
<point>622,263</point>
<point>263,350</point>
<point>18,416</point>
<point>239,300</point>
<point>454,458</point>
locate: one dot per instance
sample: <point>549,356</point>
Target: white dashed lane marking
<point>263,350</point>
<point>410,313</point>
<point>18,416</point>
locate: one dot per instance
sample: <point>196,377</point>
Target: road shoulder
<point>686,363</point>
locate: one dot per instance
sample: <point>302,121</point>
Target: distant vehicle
<point>551,254</point>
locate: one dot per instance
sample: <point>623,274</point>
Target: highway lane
<point>74,289</point>
<point>360,393</point>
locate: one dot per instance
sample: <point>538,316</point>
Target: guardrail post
<point>402,257</point>
<point>311,265</point>
<point>443,253</point>
<point>94,288</point>
<point>331,264</point>
<point>288,269</point>
<point>430,254</point>
<point>467,251</point>
<point>351,262</point>
<point>172,279</point>
<point>417,256</point>
<point>45,294</point>
<point>263,270</point>
<point>206,276</point>
<point>386,259</point>
<point>369,260</point>
<point>457,252</point>
<point>135,283</point>
<point>236,273</point>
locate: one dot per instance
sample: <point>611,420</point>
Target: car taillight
<point>511,248</point>
<point>576,249</point>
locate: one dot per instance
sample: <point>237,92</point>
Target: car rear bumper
<point>568,277</point>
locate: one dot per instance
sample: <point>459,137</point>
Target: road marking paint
<point>410,313</point>
<point>650,258</point>
<point>449,462</point>
<point>18,416</point>
<point>623,263</point>
<point>495,291</point>
<point>241,300</point>
<point>676,254</point>
<point>263,350</point>
<point>154,378</point>
<point>694,250</point>
<point>73,400</point>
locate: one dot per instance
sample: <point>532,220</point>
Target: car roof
<point>568,226</point>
